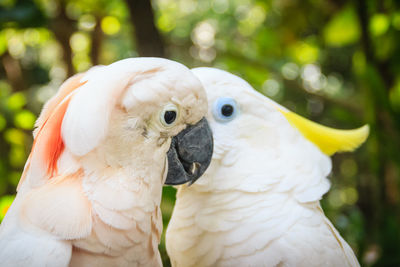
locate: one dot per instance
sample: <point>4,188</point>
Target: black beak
<point>190,154</point>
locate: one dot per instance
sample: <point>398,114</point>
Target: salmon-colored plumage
<point>91,188</point>
<point>48,139</point>
<point>66,88</point>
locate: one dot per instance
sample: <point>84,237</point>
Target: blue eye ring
<point>225,109</point>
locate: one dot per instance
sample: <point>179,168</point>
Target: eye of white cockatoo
<point>225,109</point>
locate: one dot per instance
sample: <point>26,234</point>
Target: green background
<point>336,62</point>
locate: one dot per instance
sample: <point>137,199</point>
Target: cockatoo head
<point>260,145</point>
<point>135,114</point>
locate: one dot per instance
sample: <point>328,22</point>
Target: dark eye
<point>225,109</point>
<point>169,115</point>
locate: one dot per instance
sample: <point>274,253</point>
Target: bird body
<point>91,188</point>
<point>258,203</point>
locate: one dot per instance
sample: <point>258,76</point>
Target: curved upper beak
<point>190,154</point>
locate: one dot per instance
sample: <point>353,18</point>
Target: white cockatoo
<point>103,148</point>
<point>258,202</point>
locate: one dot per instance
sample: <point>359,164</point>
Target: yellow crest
<point>329,140</point>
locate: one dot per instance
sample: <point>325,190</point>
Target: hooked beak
<point>190,154</point>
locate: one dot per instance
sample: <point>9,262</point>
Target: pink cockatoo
<point>103,147</point>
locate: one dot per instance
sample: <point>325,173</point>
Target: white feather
<point>258,202</point>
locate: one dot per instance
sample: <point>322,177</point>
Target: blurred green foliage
<point>334,61</point>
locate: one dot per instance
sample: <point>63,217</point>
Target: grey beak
<point>190,154</point>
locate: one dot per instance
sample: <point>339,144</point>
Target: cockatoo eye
<point>225,109</point>
<point>169,115</point>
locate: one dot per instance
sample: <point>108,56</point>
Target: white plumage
<point>258,203</point>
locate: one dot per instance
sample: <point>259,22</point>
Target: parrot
<point>258,202</point>
<point>104,146</point>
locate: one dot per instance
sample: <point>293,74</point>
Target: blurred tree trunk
<point>63,28</point>
<point>13,72</point>
<point>147,37</point>
<point>97,39</point>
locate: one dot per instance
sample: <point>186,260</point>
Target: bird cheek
<point>160,150</point>
<point>230,158</point>
<point>161,140</point>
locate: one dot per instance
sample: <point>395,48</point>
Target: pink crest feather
<point>48,141</point>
